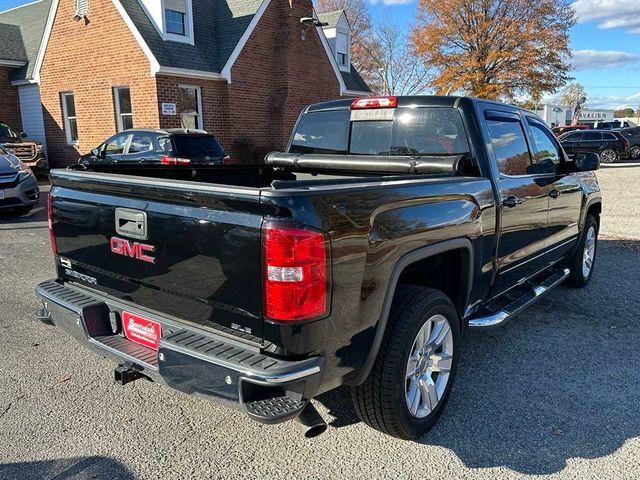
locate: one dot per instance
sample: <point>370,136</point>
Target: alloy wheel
<point>608,156</point>
<point>429,366</point>
<point>635,152</point>
<point>589,254</point>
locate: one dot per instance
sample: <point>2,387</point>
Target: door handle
<point>512,201</point>
<point>555,193</point>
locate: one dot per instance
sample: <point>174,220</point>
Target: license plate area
<point>141,330</point>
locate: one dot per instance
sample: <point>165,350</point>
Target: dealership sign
<point>596,115</point>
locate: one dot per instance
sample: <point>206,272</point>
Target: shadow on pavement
<point>560,381</point>
<point>67,468</point>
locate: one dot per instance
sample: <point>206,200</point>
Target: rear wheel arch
<point>462,248</point>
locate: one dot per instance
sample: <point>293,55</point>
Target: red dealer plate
<point>140,330</point>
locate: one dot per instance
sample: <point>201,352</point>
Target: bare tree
<point>400,70</point>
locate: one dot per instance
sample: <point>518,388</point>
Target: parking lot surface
<point>556,392</point>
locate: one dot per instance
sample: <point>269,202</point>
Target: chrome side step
<point>520,303</point>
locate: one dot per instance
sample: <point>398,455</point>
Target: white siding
<point>31,110</point>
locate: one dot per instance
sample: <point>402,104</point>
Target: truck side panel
<point>371,228</point>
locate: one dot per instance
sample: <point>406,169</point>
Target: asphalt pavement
<point>554,393</point>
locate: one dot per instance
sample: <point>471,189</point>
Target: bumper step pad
<point>272,410</point>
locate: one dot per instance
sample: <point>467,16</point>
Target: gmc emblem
<point>136,250</point>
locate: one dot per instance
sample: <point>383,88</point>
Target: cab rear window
<point>394,132</point>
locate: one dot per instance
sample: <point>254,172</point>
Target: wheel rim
<point>608,156</point>
<point>635,152</point>
<point>429,366</point>
<point>589,255</point>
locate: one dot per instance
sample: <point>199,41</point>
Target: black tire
<point>380,401</point>
<point>609,155</point>
<point>577,278</point>
<point>634,152</point>
<point>20,211</point>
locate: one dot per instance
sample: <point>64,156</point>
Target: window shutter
<point>176,5</point>
<point>82,8</point>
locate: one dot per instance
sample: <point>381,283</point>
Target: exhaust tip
<point>315,431</point>
<point>311,422</point>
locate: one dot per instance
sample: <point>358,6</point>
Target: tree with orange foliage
<point>495,49</point>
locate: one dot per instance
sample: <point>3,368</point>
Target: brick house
<point>241,69</point>
<point>21,32</point>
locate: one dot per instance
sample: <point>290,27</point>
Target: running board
<point>520,303</point>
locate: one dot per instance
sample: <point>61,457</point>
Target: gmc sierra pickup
<point>357,257</point>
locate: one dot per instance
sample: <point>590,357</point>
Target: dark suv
<point>30,152</point>
<point>611,146</point>
<point>633,135</point>
<point>139,149</point>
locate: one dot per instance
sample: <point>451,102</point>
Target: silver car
<point>19,190</point>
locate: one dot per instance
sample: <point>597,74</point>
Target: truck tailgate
<point>184,250</point>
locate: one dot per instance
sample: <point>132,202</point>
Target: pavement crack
<point>10,404</point>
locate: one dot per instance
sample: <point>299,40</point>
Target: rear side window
<point>591,136</point>
<point>423,131</point>
<point>609,136</point>
<point>510,145</point>
<point>194,146</point>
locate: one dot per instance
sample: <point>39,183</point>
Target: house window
<point>342,51</point>
<point>175,17</point>
<point>175,22</point>
<point>69,116</point>
<point>190,107</point>
<point>124,112</point>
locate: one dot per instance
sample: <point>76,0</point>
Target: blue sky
<point>606,44</point>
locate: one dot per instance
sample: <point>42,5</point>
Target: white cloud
<point>610,13</point>
<point>601,59</point>
<point>603,102</point>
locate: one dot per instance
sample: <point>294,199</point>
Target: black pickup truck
<point>357,257</point>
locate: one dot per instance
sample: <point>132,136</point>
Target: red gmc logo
<point>136,250</point>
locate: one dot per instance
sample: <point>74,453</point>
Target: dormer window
<point>338,32</point>
<point>175,22</point>
<point>175,17</point>
<point>172,18</point>
<point>342,50</point>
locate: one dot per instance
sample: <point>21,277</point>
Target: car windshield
<point>424,131</point>
<point>7,132</point>
<point>190,146</point>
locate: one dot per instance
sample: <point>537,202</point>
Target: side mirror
<point>23,135</point>
<point>586,162</point>
<point>95,152</point>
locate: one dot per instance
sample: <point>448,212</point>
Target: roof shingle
<point>21,31</point>
<point>218,27</point>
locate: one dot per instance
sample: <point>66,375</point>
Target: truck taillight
<point>167,160</point>
<point>374,102</point>
<point>295,273</point>
<point>52,238</point>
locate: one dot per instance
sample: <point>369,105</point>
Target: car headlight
<point>38,148</point>
<point>23,171</point>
